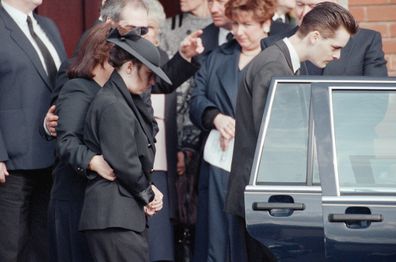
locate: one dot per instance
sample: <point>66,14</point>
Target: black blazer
<point>24,96</point>
<point>273,61</point>
<point>74,156</point>
<point>362,56</point>
<point>117,125</point>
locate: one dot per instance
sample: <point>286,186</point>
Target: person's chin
<point>218,23</point>
<point>322,64</point>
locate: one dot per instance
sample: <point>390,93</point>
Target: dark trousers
<point>117,244</point>
<point>67,244</point>
<point>24,201</point>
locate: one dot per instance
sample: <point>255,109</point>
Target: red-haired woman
<point>212,107</point>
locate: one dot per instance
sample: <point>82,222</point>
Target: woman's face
<point>247,31</point>
<point>153,32</point>
<point>139,78</point>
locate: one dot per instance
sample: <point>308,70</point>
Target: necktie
<point>229,36</point>
<point>48,60</point>
<point>279,20</point>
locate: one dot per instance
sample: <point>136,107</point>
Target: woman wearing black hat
<point>119,126</point>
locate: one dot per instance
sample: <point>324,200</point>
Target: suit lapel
<point>24,44</point>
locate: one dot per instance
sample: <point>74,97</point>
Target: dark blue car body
<point>323,183</point>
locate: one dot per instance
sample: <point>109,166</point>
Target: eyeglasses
<point>139,30</point>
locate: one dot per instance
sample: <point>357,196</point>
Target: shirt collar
<point>223,35</point>
<point>293,55</point>
<point>277,16</point>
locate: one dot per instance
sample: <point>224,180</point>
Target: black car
<point>323,183</point>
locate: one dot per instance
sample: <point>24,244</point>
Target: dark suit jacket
<point>74,156</point>
<point>362,56</point>
<point>273,61</point>
<point>117,127</point>
<point>24,96</point>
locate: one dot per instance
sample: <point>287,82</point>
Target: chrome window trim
<point>303,80</point>
<point>334,148</point>
<point>360,200</point>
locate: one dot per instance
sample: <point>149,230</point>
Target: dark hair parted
<point>119,56</point>
<point>326,18</point>
<point>94,51</point>
<point>262,9</point>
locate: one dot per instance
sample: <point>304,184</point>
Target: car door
<point>283,201</point>
<point>357,167</point>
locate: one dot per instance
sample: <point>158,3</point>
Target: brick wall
<point>379,15</point>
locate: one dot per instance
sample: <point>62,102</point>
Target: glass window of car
<point>365,140</point>
<point>284,157</point>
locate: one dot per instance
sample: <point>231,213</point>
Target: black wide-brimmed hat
<point>142,49</point>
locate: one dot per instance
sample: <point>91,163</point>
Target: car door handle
<point>265,206</point>
<point>336,218</point>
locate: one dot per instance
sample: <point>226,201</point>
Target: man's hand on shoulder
<point>51,121</point>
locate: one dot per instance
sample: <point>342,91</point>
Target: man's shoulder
<point>79,85</point>
<point>365,34</point>
<point>268,56</point>
<point>210,30</point>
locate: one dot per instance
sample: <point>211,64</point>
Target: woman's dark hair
<point>262,9</point>
<point>94,51</point>
<point>327,18</point>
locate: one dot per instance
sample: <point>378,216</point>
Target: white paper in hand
<point>214,155</point>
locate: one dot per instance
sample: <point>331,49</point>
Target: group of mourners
<point>92,147</point>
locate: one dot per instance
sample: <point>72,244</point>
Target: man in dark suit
<point>363,55</point>
<point>31,51</point>
<point>315,41</point>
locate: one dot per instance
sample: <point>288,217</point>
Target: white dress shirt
<point>19,18</point>
<point>296,63</point>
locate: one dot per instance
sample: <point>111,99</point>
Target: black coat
<point>118,125</point>
<point>74,156</point>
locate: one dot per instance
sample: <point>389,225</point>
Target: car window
<point>284,151</point>
<point>365,140</point>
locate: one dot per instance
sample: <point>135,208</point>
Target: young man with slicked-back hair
<point>362,56</point>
